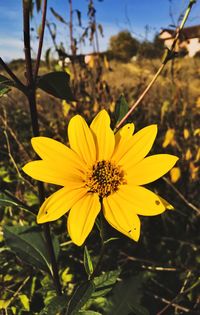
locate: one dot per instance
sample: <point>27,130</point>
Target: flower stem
<point>31,96</point>
<point>168,56</point>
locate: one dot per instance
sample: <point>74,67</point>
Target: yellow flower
<point>175,174</point>
<point>101,170</point>
<point>169,138</point>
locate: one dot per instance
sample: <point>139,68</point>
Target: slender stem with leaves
<point>31,95</point>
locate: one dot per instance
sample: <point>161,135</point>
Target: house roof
<point>186,33</point>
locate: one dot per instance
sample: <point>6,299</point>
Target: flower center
<point>105,178</point>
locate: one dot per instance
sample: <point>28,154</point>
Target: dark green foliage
<point>29,245</point>
<point>56,84</point>
<point>104,283</point>
<point>126,297</point>
<point>80,297</point>
<point>121,108</point>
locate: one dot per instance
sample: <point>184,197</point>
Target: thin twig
<point>177,306</point>
<point>168,56</point>
<point>188,203</point>
<point>177,297</point>
<point>40,40</point>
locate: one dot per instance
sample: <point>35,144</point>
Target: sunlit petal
<point>151,168</point>
<point>81,139</point>
<point>103,135</point>
<point>124,135</point>
<point>82,217</point>
<point>123,219</point>
<point>56,152</point>
<point>59,203</point>
<point>53,173</point>
<point>137,148</point>
<point>140,200</point>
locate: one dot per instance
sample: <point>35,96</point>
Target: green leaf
<point>4,90</point>
<point>80,297</point>
<point>29,245</point>
<point>79,17</point>
<point>56,84</point>
<point>121,108</point>
<point>4,81</point>
<point>25,301</point>
<point>58,16</point>
<point>47,57</point>
<point>127,296</point>
<point>8,203</point>
<point>104,283</point>
<point>56,306</point>
<point>88,262</point>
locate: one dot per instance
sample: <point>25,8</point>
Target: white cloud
<point>11,48</point>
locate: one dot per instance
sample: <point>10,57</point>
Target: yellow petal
<point>123,219</point>
<point>53,173</point>
<point>169,137</point>
<point>82,217</point>
<point>124,135</point>
<point>103,135</point>
<point>140,200</point>
<point>81,139</point>
<point>151,168</point>
<point>56,152</point>
<point>137,148</point>
<point>59,203</point>
<point>175,174</point>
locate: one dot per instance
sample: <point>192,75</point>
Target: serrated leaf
<point>121,108</point>
<point>80,297</point>
<point>56,84</point>
<point>104,283</point>
<point>88,262</point>
<point>127,296</point>
<point>29,245</point>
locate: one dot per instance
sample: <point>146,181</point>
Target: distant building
<point>189,39</point>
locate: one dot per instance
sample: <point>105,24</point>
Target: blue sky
<point>142,17</point>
